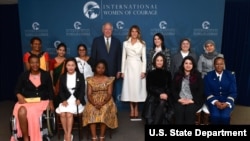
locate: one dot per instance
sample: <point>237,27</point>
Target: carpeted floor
<point>241,115</point>
<point>127,130</point>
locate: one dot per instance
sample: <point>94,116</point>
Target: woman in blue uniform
<point>220,91</point>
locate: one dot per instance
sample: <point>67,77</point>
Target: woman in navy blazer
<point>71,93</point>
<point>220,91</point>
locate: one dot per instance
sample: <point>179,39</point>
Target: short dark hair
<point>61,45</point>
<point>35,38</point>
<point>102,61</point>
<point>219,57</point>
<point>82,45</point>
<point>156,56</point>
<point>70,59</point>
<point>33,56</point>
<point>185,39</point>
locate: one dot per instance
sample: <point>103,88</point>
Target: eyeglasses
<point>82,50</point>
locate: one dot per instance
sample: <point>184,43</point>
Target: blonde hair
<point>139,33</point>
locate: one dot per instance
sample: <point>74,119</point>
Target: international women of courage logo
<point>91,10</point>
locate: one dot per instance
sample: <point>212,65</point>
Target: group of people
<point>69,85</point>
<point>181,85</point>
<point>190,88</point>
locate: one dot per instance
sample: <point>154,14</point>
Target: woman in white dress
<point>71,93</point>
<point>84,63</point>
<point>133,70</point>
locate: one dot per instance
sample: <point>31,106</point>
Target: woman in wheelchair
<point>34,92</point>
<point>71,93</point>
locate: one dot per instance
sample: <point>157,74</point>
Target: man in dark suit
<point>108,47</point>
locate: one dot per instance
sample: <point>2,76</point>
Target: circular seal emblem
<point>119,25</point>
<point>91,10</point>
<point>35,26</point>
<point>163,25</point>
<point>205,25</point>
<point>56,43</point>
<point>77,25</point>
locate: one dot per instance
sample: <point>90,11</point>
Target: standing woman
<point>133,70</point>
<point>57,69</point>
<point>185,50</point>
<point>84,63</point>
<point>206,59</point>
<point>159,46</point>
<point>36,49</point>
<point>71,92</point>
<point>187,89</point>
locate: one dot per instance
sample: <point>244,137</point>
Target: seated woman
<point>71,93</point>
<point>187,90</point>
<point>100,108</point>
<point>32,83</point>
<point>220,91</point>
<point>158,103</point>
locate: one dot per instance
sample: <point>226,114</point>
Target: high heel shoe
<point>71,138</point>
<point>102,138</point>
<point>136,117</point>
<point>131,117</point>
<point>94,138</point>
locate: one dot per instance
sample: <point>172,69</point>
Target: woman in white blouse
<point>84,63</point>
<point>71,93</point>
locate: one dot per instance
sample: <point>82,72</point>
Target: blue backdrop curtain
<point>11,50</point>
<point>236,45</point>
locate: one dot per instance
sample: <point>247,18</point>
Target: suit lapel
<point>214,77</point>
<point>77,81</point>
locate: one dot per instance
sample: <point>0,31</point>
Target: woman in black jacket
<point>187,90</point>
<point>158,104</point>
<point>71,93</point>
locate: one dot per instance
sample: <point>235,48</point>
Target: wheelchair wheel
<point>13,129</point>
<point>51,122</point>
<point>11,124</point>
<point>47,121</point>
<point>46,138</point>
